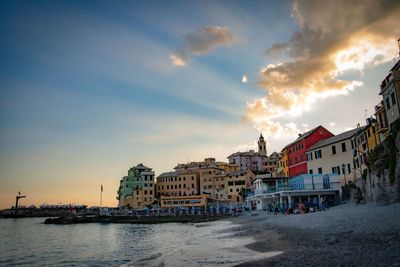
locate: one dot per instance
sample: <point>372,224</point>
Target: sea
<point>29,242</point>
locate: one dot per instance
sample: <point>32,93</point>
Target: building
<point>207,180</point>
<point>136,190</point>
<point>177,184</point>
<point>283,164</point>
<point>372,135</point>
<point>255,161</point>
<point>382,126</point>
<point>390,91</point>
<point>334,155</point>
<point>271,163</point>
<point>183,201</point>
<point>290,192</point>
<point>360,153</point>
<point>238,183</point>
<point>297,149</point>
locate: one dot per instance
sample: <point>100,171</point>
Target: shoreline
<point>349,235</point>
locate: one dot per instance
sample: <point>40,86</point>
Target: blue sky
<point>88,89</point>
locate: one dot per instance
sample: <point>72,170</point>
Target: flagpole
<point>101,196</point>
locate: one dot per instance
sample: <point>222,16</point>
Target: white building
<point>290,192</point>
<point>334,155</point>
<point>390,88</point>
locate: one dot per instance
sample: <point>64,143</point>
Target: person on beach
<point>325,203</point>
<point>302,208</point>
<point>321,203</point>
<point>315,203</point>
<point>276,208</point>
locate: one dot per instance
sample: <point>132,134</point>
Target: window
<point>192,185</point>
<point>387,103</point>
<point>343,147</point>
<point>145,192</point>
<point>310,171</point>
<point>184,185</point>
<point>333,150</point>
<point>151,192</point>
<point>393,98</point>
<point>348,168</point>
<point>320,170</point>
<point>301,157</point>
<point>230,190</point>
<point>318,154</point>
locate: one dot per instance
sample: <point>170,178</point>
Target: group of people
<point>314,205</point>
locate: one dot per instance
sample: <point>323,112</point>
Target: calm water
<point>30,242</point>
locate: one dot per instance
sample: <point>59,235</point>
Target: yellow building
<point>237,183</point>
<point>183,201</point>
<point>283,167</point>
<point>184,183</point>
<point>382,126</point>
<point>372,135</point>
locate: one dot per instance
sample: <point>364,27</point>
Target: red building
<point>297,149</point>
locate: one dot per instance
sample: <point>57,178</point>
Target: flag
<point>102,188</point>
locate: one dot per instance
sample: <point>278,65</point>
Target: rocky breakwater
<point>71,219</point>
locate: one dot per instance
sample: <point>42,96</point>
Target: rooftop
<point>336,138</point>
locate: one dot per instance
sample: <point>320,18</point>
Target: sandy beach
<point>345,235</point>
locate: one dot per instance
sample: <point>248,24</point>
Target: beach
<point>344,235</point>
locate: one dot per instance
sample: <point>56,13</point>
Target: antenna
<point>398,44</point>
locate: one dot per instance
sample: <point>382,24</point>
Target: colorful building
<point>185,183</point>
<point>334,155</point>
<point>136,190</point>
<point>255,161</point>
<point>183,201</point>
<point>238,183</point>
<point>382,126</point>
<point>297,149</point>
<point>283,164</point>
<point>390,91</point>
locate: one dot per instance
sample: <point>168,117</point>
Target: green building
<point>136,190</point>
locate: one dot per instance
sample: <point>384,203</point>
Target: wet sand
<point>345,235</point>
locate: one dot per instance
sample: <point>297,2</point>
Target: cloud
<point>202,42</point>
<point>333,37</point>
<point>277,49</point>
<point>244,78</point>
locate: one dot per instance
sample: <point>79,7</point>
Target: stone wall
<point>377,186</point>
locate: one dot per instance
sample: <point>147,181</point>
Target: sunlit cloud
<point>177,61</point>
<point>202,42</point>
<point>334,37</point>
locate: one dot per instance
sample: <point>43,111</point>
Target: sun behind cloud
<point>334,37</point>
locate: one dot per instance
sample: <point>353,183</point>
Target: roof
<point>141,166</point>
<point>168,174</point>
<point>336,138</point>
<point>251,153</point>
<point>304,136</point>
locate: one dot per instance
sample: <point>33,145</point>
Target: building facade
<point>390,91</point>
<point>255,161</point>
<point>334,155</point>
<point>136,190</point>
<point>297,149</point>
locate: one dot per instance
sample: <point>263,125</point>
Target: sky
<point>90,89</point>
